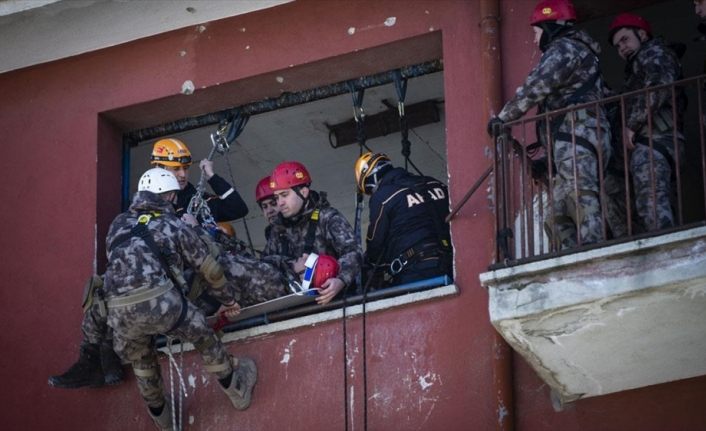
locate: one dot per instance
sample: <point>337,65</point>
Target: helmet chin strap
<point>305,200</point>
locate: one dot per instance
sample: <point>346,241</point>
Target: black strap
<point>581,142</point>
<point>182,314</point>
<point>311,231</point>
<point>141,231</point>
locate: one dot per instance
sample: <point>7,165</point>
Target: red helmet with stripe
<point>319,268</point>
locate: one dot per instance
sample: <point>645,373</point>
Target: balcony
<point>617,314</point>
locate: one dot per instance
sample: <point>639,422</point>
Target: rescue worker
<point>97,363</point>
<point>174,156</point>
<point>407,234</point>
<point>568,73</point>
<point>649,62</point>
<point>265,199</point>
<point>146,248</point>
<point>308,224</point>
<point>700,8</point>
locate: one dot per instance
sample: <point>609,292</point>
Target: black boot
<point>85,372</point>
<point>112,366</point>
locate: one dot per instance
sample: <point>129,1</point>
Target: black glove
<point>495,127</point>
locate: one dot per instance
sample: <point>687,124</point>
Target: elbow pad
<point>213,272</point>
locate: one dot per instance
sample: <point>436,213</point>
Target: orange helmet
<point>367,168</point>
<point>319,268</point>
<point>170,152</point>
<point>553,10</point>
<point>227,228</point>
<point>287,175</point>
<point>263,190</point>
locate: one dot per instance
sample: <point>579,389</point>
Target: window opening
<point>304,126</point>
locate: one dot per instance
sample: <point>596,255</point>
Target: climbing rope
<point>182,393</point>
<point>401,89</point>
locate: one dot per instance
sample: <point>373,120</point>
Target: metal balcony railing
<point>528,224</point>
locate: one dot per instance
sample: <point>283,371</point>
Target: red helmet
<point>263,190</point>
<point>319,268</point>
<point>628,20</point>
<point>289,174</point>
<point>553,10</point>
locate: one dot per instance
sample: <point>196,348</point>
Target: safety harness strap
<point>311,231</point>
<point>141,294</point>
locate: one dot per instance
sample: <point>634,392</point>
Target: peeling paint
<point>182,53</point>
<point>201,28</point>
<point>351,401</point>
<point>288,352</point>
<point>279,79</point>
<point>351,31</point>
<point>423,381</point>
<point>502,414</point>
<point>390,21</point>
<point>242,29</point>
<point>191,419</point>
<point>187,87</point>
<point>192,381</point>
<point>247,47</point>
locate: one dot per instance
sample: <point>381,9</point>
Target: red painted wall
<point>61,125</point>
<point>429,365</point>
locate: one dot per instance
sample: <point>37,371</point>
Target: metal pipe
<point>285,100</point>
<point>492,80</point>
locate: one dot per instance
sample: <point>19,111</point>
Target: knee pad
<point>213,272</point>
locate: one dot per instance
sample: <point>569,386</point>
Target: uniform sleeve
<point>551,72</point>
<point>658,68</point>
<point>377,231</point>
<point>195,253</point>
<point>227,204</point>
<point>342,238</point>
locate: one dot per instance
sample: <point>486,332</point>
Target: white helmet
<point>158,180</point>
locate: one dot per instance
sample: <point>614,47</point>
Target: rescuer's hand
<point>329,290</point>
<point>207,168</point>
<point>229,311</point>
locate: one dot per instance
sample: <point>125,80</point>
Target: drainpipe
<point>492,88</point>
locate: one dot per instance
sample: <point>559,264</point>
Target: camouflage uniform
<point>133,268</point>
<point>568,66</point>
<point>333,236</point>
<point>254,280</point>
<point>654,64</point>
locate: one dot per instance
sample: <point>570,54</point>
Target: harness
<point>576,98</point>
<point>146,293</point>
<point>309,239</point>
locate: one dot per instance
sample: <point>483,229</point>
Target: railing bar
<point>677,158</point>
<point>699,92</point>
<point>653,180</point>
<point>601,190</point>
<point>626,168</point>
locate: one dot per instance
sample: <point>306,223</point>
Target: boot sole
<point>75,385</point>
<point>247,398</point>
